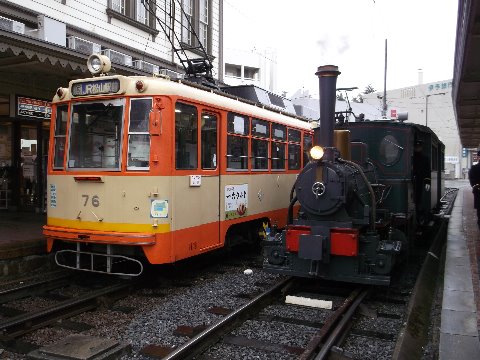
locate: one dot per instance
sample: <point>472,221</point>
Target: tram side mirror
<point>155,122</point>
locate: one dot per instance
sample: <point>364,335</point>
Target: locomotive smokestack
<point>327,76</point>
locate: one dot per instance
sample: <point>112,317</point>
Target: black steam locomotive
<point>361,197</point>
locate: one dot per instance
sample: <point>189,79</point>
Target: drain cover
<point>80,347</point>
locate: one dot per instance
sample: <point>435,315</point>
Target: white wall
<point>263,59</point>
<point>91,16</point>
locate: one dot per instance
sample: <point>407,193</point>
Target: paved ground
<point>21,234</point>
<point>460,319</point>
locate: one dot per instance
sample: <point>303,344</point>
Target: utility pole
<point>384,109</point>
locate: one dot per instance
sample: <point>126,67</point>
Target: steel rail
<point>319,337</point>
<point>35,288</point>
<point>21,324</point>
<point>337,332</point>
<point>213,333</point>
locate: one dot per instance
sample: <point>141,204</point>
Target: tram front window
<point>96,134</point>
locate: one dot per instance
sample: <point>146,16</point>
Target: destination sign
<point>96,87</point>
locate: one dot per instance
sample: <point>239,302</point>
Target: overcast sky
<point>350,34</point>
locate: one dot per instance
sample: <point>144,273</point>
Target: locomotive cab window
<point>96,135</point>
<point>60,136</point>
<point>186,126</point>
<point>237,142</point>
<point>138,134</point>
<point>390,151</point>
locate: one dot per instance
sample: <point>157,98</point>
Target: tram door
<point>196,207</point>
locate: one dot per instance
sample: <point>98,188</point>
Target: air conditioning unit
<point>83,46</point>
<point>172,74</point>
<point>11,25</point>
<point>117,57</point>
<point>146,66</point>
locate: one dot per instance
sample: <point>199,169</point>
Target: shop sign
<point>33,108</point>
<point>451,159</point>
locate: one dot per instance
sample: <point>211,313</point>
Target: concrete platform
<point>22,246</point>
<point>460,319</point>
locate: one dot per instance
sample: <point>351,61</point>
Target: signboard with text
<point>33,108</point>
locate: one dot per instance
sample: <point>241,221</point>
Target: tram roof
<point>188,92</point>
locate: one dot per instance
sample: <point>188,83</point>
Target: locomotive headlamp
<point>316,152</point>
<point>98,64</point>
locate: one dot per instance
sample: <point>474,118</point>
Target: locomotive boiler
<point>341,231</point>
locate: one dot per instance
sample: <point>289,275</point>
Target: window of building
<point>196,19</point>
<point>209,141</point>
<point>250,73</point>
<point>233,70</point>
<point>119,6</point>
<point>60,136</point>
<point>203,23</point>
<point>138,134</point>
<point>238,127</point>
<point>186,132</point>
<point>134,13</point>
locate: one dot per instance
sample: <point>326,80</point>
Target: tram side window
<point>60,136</point>
<point>307,145</point>
<point>294,150</point>
<point>260,129</point>
<point>138,134</point>
<point>277,149</point>
<point>278,156</point>
<point>238,127</point>
<point>186,133</point>
<point>209,141</point>
<point>259,154</point>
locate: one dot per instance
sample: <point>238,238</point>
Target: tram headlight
<point>316,152</point>
<point>98,64</point>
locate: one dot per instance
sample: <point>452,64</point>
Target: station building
<point>45,44</point>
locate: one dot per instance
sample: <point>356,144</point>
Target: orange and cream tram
<point>155,169</point>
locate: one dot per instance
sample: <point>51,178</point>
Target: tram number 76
<point>95,200</point>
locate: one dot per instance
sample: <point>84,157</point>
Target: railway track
<point>223,332</point>
<point>18,325</point>
<point>223,313</point>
